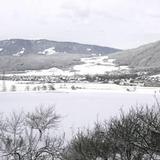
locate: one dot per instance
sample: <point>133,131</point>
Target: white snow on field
<point>97,65</point>
<point>91,66</point>
<point>49,51</point>
<point>156,76</point>
<point>21,86</point>
<point>89,49</point>
<point>1,49</point>
<point>13,42</point>
<point>78,109</point>
<point>20,53</point>
<point>46,72</point>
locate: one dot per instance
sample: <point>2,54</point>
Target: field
<point>78,108</point>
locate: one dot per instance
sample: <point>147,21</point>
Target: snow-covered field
<point>156,76</point>
<point>81,107</point>
<point>46,72</point>
<point>91,65</point>
<point>21,86</point>
<point>77,108</point>
<point>97,65</point>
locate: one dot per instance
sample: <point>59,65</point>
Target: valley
<point>93,73</point>
<point>44,65</point>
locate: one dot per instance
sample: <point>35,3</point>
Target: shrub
<point>133,136</point>
<point>13,88</point>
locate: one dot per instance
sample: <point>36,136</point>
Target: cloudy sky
<point>116,23</point>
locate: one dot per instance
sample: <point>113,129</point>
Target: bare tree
<point>29,136</point>
<point>123,136</point>
<point>149,130</point>
<point>134,135</point>
<point>88,145</point>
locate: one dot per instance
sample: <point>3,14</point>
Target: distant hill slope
<point>21,55</point>
<point>18,47</point>
<point>146,56</point>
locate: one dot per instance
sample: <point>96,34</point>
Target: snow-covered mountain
<point>22,55</point>
<point>146,56</point>
<point>19,47</point>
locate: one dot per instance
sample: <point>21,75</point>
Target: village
<point>123,79</point>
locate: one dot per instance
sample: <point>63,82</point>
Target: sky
<point>121,24</point>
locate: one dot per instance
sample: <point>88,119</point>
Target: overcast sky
<point>115,23</point>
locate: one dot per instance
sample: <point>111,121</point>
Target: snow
<point>46,72</point>
<point>48,52</point>
<point>80,87</point>
<point>78,108</point>
<point>1,49</point>
<point>155,76</point>
<point>97,65</point>
<point>89,49</point>
<point>13,42</point>
<point>93,65</point>
<point>20,53</point>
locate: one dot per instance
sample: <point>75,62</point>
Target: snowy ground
<point>97,65</point>
<point>81,107</point>
<point>24,86</point>
<point>78,108</point>
<point>156,76</point>
<point>92,66</point>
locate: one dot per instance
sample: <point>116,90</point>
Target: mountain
<point>146,56</point>
<point>21,55</point>
<point>19,47</point>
